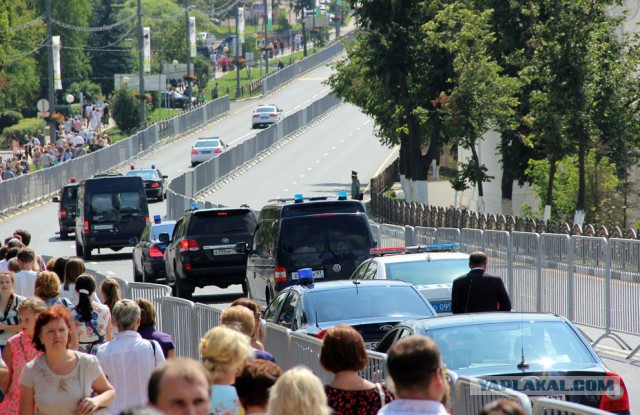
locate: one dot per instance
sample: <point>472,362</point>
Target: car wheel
<point>183,289</point>
<point>245,288</point>
<point>193,164</point>
<point>147,278</point>
<point>164,196</point>
<point>137,276</point>
<point>79,250</point>
<point>87,253</point>
<point>64,236</point>
<point>267,296</point>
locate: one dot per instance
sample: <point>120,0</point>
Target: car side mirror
<point>242,248</point>
<point>56,199</point>
<point>165,177</point>
<point>133,241</point>
<point>164,238</point>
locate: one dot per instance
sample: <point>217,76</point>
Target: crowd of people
<point>75,137</point>
<point>67,350</point>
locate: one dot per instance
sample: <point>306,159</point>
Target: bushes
<point>25,126</point>
<point>124,110</point>
<point>9,118</point>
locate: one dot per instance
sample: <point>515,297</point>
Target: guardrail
<point>40,184</point>
<point>547,406</point>
<point>470,402</point>
<point>182,190</point>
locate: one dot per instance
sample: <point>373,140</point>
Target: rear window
<point>389,301</point>
<point>427,272</point>
<point>319,234</point>
<point>221,222</point>
<point>266,109</point>
<point>207,143</point>
<point>162,228</point>
<point>69,195</point>
<point>145,174</point>
<point>105,203</point>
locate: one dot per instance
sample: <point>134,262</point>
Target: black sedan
<point>541,355</point>
<point>148,254</point>
<point>371,307</point>
<point>155,183</point>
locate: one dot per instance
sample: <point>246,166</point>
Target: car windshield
<point>321,233</point>
<point>70,195</point>
<point>501,344</point>
<point>442,271</point>
<point>266,109</point>
<point>145,174</point>
<point>368,302</point>
<point>161,228</point>
<point>207,143</point>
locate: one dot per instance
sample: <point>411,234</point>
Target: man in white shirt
<point>26,278</point>
<point>415,366</point>
<point>77,140</point>
<point>128,360</point>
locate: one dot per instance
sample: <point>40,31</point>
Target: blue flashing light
<point>298,198</point>
<point>305,276</point>
<point>342,195</point>
<point>157,219</point>
<point>194,206</point>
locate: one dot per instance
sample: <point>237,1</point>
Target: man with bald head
<point>180,386</point>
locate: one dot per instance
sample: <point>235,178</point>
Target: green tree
<point>395,78</point>
<point>202,71</point>
<point>90,91</point>
<point>124,110</point>
<point>480,98</point>
<point>603,198</point>
<point>110,51</point>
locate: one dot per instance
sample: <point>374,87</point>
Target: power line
<point>93,29</point>
<point>179,13</point>
<point>23,26</point>
<point>13,58</point>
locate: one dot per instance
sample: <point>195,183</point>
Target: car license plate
<point>206,151</point>
<point>442,307</point>
<point>556,397</point>
<point>229,251</point>
<point>371,345</point>
<point>103,227</point>
<point>317,274</point>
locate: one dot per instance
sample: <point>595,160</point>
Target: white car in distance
<point>265,115</point>
<point>206,148</point>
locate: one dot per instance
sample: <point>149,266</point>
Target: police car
<point>265,115</point>
<point>431,268</point>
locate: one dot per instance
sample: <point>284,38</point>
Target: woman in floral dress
<point>92,319</point>
<point>19,351</point>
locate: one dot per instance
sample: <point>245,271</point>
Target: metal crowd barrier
<point>206,317</point>
<point>547,406</point>
<point>178,322</point>
<point>305,350</point>
<point>391,235</point>
<point>276,341</point>
<point>469,399</point>
<point>147,290</point>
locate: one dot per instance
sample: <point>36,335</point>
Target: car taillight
<point>146,219</point>
<point>256,116</point>
<point>155,185</point>
<point>281,274</point>
<point>86,226</point>
<point>273,115</point>
<point>194,151</point>
<point>613,403</point>
<point>63,213</point>
<point>321,334</point>
<point>190,245</point>
<point>217,150</point>
<point>155,252</point>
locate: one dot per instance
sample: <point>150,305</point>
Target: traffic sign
<point>43,105</point>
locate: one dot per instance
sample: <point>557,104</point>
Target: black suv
<point>202,252</point>
<point>67,209</point>
<point>332,237</point>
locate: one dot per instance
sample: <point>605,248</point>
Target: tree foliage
<point>124,110</point>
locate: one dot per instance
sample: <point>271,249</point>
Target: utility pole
<point>141,64</point>
<point>52,105</point>
<point>188,37</point>
<point>266,37</point>
<point>238,90</point>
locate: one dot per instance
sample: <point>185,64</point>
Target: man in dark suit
<point>478,291</point>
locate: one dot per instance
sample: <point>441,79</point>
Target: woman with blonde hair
<point>47,287</point>
<point>298,391</point>
<point>9,302</point>
<point>241,319</point>
<point>223,351</point>
<point>256,336</point>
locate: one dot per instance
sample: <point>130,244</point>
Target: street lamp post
<point>238,90</point>
<point>175,70</point>
<point>126,81</point>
